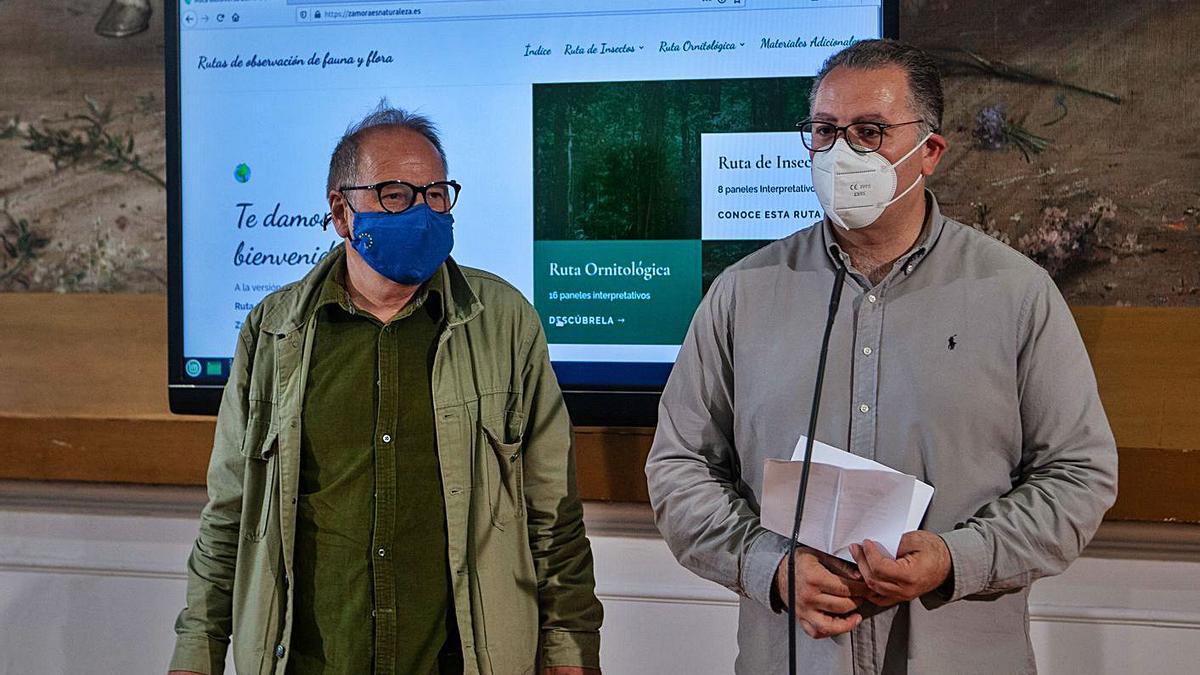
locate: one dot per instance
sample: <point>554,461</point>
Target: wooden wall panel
<point>109,450</point>
<point>1147,363</point>
<point>83,397</point>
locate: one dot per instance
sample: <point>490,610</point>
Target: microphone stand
<point>801,492</point>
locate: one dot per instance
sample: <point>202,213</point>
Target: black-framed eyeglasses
<point>396,196</point>
<point>863,137</point>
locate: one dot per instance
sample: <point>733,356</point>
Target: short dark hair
<point>343,165</point>
<point>924,80</point>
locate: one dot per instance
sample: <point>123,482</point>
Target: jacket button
<point>280,651</point>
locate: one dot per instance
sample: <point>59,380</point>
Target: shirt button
<point>280,650</point>
<point>382,552</point>
<point>867,351</point>
<point>864,408</point>
<point>387,438</point>
<point>909,269</point>
<point>872,297</point>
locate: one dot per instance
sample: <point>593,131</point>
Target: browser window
<point>614,155</point>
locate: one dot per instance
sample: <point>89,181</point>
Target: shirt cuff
<point>970,561</point>
<point>199,654</point>
<point>570,648</point>
<point>759,564</point>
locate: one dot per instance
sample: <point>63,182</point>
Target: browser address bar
<point>495,9</point>
<point>344,14</point>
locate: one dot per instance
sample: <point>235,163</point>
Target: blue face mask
<point>406,247</point>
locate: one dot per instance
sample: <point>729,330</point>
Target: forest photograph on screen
<point>617,199</point>
<point>621,160</point>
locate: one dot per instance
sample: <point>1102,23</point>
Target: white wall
<point>91,579</point>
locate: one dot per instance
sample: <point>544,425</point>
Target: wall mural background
<point>1073,127</point>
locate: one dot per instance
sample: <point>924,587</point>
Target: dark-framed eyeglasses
<point>863,137</point>
<point>396,196</point>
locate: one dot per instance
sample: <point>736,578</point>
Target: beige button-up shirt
<point>963,367</point>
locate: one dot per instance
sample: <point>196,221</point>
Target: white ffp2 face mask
<point>854,189</point>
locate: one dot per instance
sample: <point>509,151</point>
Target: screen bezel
<point>597,405</point>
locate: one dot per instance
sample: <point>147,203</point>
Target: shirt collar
<point>294,304</point>
<point>931,231</point>
<point>333,292</point>
<point>333,289</point>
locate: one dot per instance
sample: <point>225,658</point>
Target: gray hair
<point>924,80</point>
<point>343,165</point>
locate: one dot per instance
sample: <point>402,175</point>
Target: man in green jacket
<point>392,485</point>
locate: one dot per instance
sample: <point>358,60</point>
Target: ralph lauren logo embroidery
<point>950,343</point>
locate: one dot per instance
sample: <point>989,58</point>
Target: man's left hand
<point>570,670</point>
<point>922,564</point>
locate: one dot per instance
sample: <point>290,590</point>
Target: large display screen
<point>615,155</point>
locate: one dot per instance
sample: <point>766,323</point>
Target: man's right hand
<point>829,592</point>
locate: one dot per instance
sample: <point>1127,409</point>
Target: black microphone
<point>834,298</point>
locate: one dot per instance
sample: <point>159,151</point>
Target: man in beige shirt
<point>953,358</point>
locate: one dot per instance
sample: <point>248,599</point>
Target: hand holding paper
<point>828,593</point>
<point>922,565</point>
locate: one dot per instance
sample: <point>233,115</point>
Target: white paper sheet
<point>850,498</point>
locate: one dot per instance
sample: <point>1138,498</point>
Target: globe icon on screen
<point>242,173</point>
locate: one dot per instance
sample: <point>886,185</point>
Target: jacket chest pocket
<point>503,459</point>
<point>261,481</point>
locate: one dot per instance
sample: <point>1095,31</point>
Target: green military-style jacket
<point>521,565</point>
